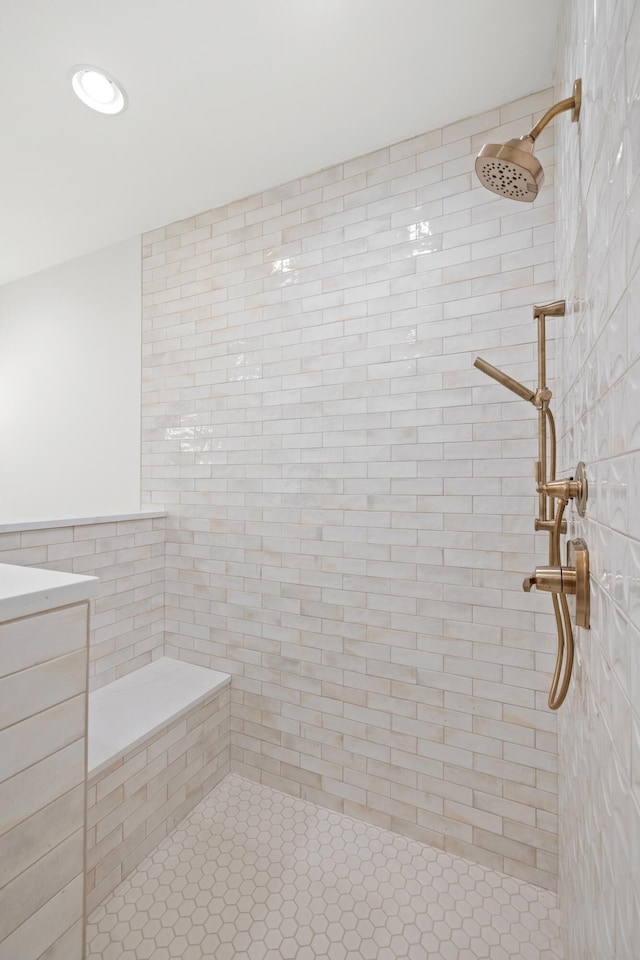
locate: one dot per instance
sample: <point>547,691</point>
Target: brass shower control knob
<point>552,580</point>
<point>570,580</point>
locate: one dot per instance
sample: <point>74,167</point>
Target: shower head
<point>514,385</point>
<point>510,169</point>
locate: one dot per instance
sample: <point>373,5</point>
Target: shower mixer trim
<point>572,580</point>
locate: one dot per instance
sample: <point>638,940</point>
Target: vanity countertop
<point>28,590</point>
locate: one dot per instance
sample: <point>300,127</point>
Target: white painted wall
<point>70,388</point>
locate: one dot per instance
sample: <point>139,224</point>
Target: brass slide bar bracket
<point>557,308</point>
<point>548,526</point>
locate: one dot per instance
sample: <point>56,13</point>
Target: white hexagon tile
<point>253,874</point>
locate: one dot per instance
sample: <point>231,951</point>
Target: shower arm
<point>570,103</point>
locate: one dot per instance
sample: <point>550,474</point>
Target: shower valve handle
<point>552,580</point>
<point>572,579</point>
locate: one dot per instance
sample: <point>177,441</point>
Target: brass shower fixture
<point>510,169</point>
<point>540,398</point>
<point>571,580</point>
<point>571,489</point>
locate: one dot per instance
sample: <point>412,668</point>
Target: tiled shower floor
<point>253,874</point>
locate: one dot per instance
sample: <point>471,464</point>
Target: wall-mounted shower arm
<point>570,103</point>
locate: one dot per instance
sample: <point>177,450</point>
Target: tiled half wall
<point>127,616</point>
<point>350,502</point>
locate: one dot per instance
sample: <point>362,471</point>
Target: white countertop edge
<point>79,521</point>
<point>25,591</point>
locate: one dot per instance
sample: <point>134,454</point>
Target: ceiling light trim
<point>98,89</point>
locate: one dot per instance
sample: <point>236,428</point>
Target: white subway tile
<point>357,472</point>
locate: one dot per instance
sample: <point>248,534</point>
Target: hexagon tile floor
<point>253,874</point>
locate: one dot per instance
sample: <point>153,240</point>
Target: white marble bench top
<point>128,711</point>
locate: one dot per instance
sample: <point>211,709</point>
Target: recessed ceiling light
<point>98,89</point>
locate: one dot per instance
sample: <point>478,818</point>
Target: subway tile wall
<point>350,502</point>
<point>127,616</point>
<point>598,234</point>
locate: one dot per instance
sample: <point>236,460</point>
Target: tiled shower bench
<point>158,743</point>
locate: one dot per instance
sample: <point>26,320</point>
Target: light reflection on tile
<point>249,372</point>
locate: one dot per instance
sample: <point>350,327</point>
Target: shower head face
<point>510,169</point>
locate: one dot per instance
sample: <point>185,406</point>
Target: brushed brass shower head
<point>510,169</point>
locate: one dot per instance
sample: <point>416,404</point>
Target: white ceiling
<point>229,97</point>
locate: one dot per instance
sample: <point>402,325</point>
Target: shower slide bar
<point>571,580</point>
